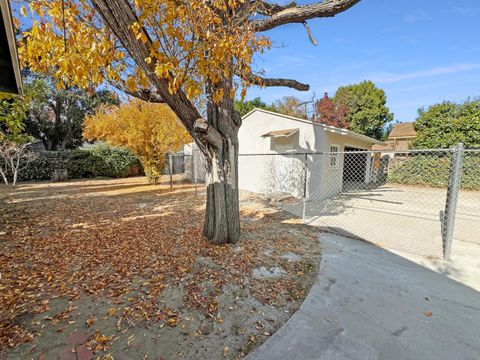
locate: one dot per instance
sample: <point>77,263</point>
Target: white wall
<point>331,181</point>
<point>273,174</point>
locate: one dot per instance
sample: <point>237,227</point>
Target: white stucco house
<point>273,150</point>
<point>331,154</point>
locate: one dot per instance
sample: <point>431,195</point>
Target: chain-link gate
<point>418,201</point>
<point>467,219</point>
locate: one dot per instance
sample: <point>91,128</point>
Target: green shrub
<point>116,161</point>
<point>434,171</point>
<point>96,161</point>
<point>44,166</point>
<point>84,164</point>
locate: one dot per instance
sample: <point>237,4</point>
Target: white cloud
<point>416,16</point>
<point>392,77</point>
<point>465,11</point>
<point>285,62</point>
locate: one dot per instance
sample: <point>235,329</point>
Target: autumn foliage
<point>149,130</point>
<point>330,113</point>
<point>86,54</point>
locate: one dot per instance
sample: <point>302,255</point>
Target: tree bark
<point>15,167</point>
<point>222,218</point>
<point>299,14</point>
<point>218,141</point>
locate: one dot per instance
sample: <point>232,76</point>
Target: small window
<point>334,155</point>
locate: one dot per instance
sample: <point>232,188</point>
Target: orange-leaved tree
<point>175,52</point>
<point>148,130</point>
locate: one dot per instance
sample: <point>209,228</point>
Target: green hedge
<point>44,166</point>
<point>434,171</point>
<point>116,161</point>
<point>96,161</point>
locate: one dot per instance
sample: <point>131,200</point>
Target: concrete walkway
<point>372,304</point>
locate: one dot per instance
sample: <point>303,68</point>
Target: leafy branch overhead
<point>162,50</point>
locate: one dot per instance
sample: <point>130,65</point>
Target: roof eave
<point>340,131</point>
<point>346,132</point>
<point>7,23</point>
<point>402,137</point>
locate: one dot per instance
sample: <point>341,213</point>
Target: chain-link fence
<point>467,219</point>
<point>417,201</point>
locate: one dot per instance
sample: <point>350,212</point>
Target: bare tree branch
<point>270,82</point>
<point>299,14</point>
<point>267,9</point>
<point>14,158</point>
<point>143,94</point>
<point>309,33</point>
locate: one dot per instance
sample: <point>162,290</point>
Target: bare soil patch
<point>119,269</point>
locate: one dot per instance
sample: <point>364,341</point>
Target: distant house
<point>400,138</point>
<point>10,78</point>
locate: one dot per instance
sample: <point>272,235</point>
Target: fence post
<point>452,199</point>
<point>170,167</point>
<point>305,170</point>
<point>194,172</point>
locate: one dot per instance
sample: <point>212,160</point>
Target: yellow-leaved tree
<point>148,130</point>
<point>174,52</point>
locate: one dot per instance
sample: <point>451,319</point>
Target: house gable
<point>403,131</point>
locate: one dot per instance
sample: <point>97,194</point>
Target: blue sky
<point>419,51</point>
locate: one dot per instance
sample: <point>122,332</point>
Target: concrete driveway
<point>369,303</point>
<point>405,218</point>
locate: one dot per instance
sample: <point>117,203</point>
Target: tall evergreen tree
<point>367,110</point>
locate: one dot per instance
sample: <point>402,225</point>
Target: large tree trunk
<point>222,216</point>
<point>222,219</point>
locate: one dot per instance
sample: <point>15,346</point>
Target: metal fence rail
<point>419,201</point>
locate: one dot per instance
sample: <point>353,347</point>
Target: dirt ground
<point>118,269</point>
